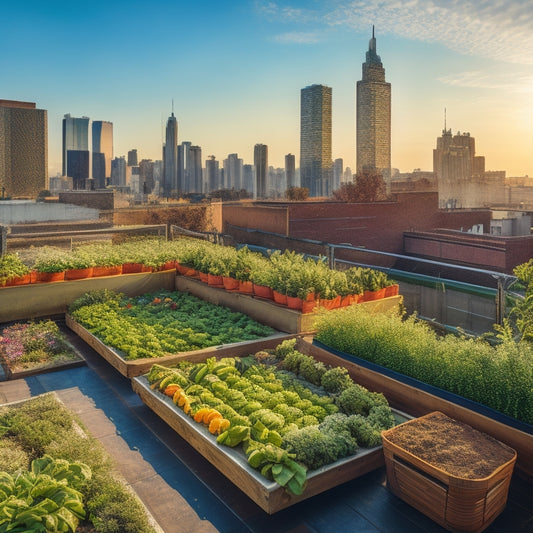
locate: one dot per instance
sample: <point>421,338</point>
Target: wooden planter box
<point>232,462</point>
<point>406,395</point>
<point>138,367</point>
<point>266,311</point>
<point>458,502</point>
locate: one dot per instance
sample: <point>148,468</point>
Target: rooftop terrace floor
<point>185,493</point>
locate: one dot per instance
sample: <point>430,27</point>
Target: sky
<point>233,71</point>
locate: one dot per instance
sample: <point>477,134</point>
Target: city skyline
<point>235,73</point>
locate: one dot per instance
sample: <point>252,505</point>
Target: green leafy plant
<point>11,266</point>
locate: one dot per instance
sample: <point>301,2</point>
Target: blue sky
<point>235,70</point>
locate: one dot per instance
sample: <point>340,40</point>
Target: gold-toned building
<point>373,123</point>
<point>23,149</point>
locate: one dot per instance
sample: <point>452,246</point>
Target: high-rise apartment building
<point>248,178</point>
<point>338,170</point>
<point>261,170</point>
<point>23,149</point>
<point>373,123</point>
<point>195,174</point>
<point>233,178</point>
<point>315,140</point>
<point>76,150</point>
<point>212,175</point>
<point>290,170</point>
<point>133,159</point>
<point>102,140</point>
<point>170,158</point>
<point>184,165</point>
<point>118,171</point>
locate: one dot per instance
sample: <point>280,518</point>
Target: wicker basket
<point>456,503</point>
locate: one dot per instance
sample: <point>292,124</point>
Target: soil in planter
<point>452,446</point>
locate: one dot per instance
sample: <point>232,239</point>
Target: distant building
<point>461,177</point>
<point>132,158</point>
<point>212,176</point>
<point>184,165</point>
<point>195,173</point>
<point>233,172</point>
<point>373,122</point>
<point>261,170</point>
<point>290,170</point>
<point>170,158</point>
<point>118,172</point>
<point>338,166</point>
<point>315,140</point>
<point>76,150</point>
<point>146,175</point>
<point>102,152</point>
<point>23,149</point>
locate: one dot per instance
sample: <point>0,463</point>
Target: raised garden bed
<point>31,348</point>
<point>267,311</point>
<point>232,461</point>
<point>452,473</point>
<point>138,367</point>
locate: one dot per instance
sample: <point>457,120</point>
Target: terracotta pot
<point>346,300</point>
<point>355,298</point>
<point>279,298</point>
<point>230,284</point>
<point>147,268</point>
<point>132,268</point>
<point>392,290</point>
<point>374,295</point>
<point>169,265</point>
<point>48,277</point>
<point>78,273</point>
<point>246,287</point>
<point>263,292</point>
<point>203,277</point>
<point>332,303</point>
<point>214,281</point>
<point>19,280</point>
<point>114,270</point>
<point>308,306</point>
<point>182,269</point>
<point>293,302</point>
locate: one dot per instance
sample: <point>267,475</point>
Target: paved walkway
<point>185,493</point>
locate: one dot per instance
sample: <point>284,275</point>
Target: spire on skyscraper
<point>372,56</point>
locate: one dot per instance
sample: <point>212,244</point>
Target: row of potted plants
<point>288,278</point>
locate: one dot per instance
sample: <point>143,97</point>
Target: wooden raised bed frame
<point>137,367</point>
<point>233,464</point>
<point>456,503</point>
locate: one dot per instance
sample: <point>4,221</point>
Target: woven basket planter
<point>457,501</point>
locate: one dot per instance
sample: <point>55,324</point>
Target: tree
<point>297,193</point>
<point>367,186</point>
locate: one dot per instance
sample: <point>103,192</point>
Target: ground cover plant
<point>288,412</point>
<point>56,477</point>
<point>498,375</point>
<point>33,344</point>
<point>162,322</point>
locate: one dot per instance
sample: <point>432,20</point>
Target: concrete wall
<point>102,200</point>
<point>265,216</point>
<point>15,212</point>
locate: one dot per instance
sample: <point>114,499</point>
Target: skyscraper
<point>76,150</point>
<point>233,172</point>
<point>102,152</point>
<point>195,170</point>
<point>290,170</point>
<point>170,158</point>
<point>261,169</point>
<point>23,149</point>
<point>212,180</point>
<point>315,140</point>
<point>373,125</point>
<point>133,159</point>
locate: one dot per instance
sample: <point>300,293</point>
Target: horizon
<point>235,73</point>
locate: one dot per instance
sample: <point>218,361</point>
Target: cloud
<point>297,37</point>
<point>497,29</point>
<point>477,79</point>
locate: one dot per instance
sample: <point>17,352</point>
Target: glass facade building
<point>102,152</point>
<point>170,158</point>
<point>315,140</point>
<point>75,141</point>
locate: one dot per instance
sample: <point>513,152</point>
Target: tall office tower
<point>118,171</point>
<point>170,158</point>
<point>338,165</point>
<point>133,160</point>
<point>248,178</point>
<point>146,175</point>
<point>233,172</point>
<point>373,124</point>
<point>23,149</point>
<point>183,165</point>
<point>212,179</point>
<point>290,170</point>
<point>76,150</point>
<point>195,169</point>
<point>315,140</point>
<point>102,152</point>
<point>261,170</point>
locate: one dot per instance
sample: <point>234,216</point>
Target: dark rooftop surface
<point>185,493</point>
